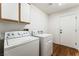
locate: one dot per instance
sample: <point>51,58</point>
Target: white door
<point>25,12</point>
<point>67,30</point>
<point>55,28</point>
<point>77,35</point>
<point>9,11</point>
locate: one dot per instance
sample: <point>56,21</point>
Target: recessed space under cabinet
<point>11,12</point>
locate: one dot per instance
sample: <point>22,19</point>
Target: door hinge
<point>75,43</point>
<point>75,30</point>
<point>75,17</point>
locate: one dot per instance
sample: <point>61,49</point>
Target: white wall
<point>6,26</point>
<point>38,22</point>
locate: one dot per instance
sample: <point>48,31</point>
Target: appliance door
<point>27,49</point>
<point>49,48</point>
<point>46,47</point>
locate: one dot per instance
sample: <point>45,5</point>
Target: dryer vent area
<point>1,47</point>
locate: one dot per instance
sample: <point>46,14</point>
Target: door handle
<point>60,32</point>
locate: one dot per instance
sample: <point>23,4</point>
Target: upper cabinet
<point>10,11</point>
<point>25,12</point>
<point>15,12</point>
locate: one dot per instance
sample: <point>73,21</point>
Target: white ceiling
<point>50,8</point>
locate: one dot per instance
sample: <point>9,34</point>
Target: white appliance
<point>20,43</point>
<point>46,43</point>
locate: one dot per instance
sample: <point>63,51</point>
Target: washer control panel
<point>16,34</point>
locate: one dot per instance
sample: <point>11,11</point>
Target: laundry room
<point>39,29</point>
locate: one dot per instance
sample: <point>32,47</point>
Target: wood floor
<point>60,50</point>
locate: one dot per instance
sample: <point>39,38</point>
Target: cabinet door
<point>25,12</point>
<point>67,31</point>
<point>9,11</point>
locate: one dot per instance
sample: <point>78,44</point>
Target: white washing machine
<point>20,43</point>
<point>46,44</point>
